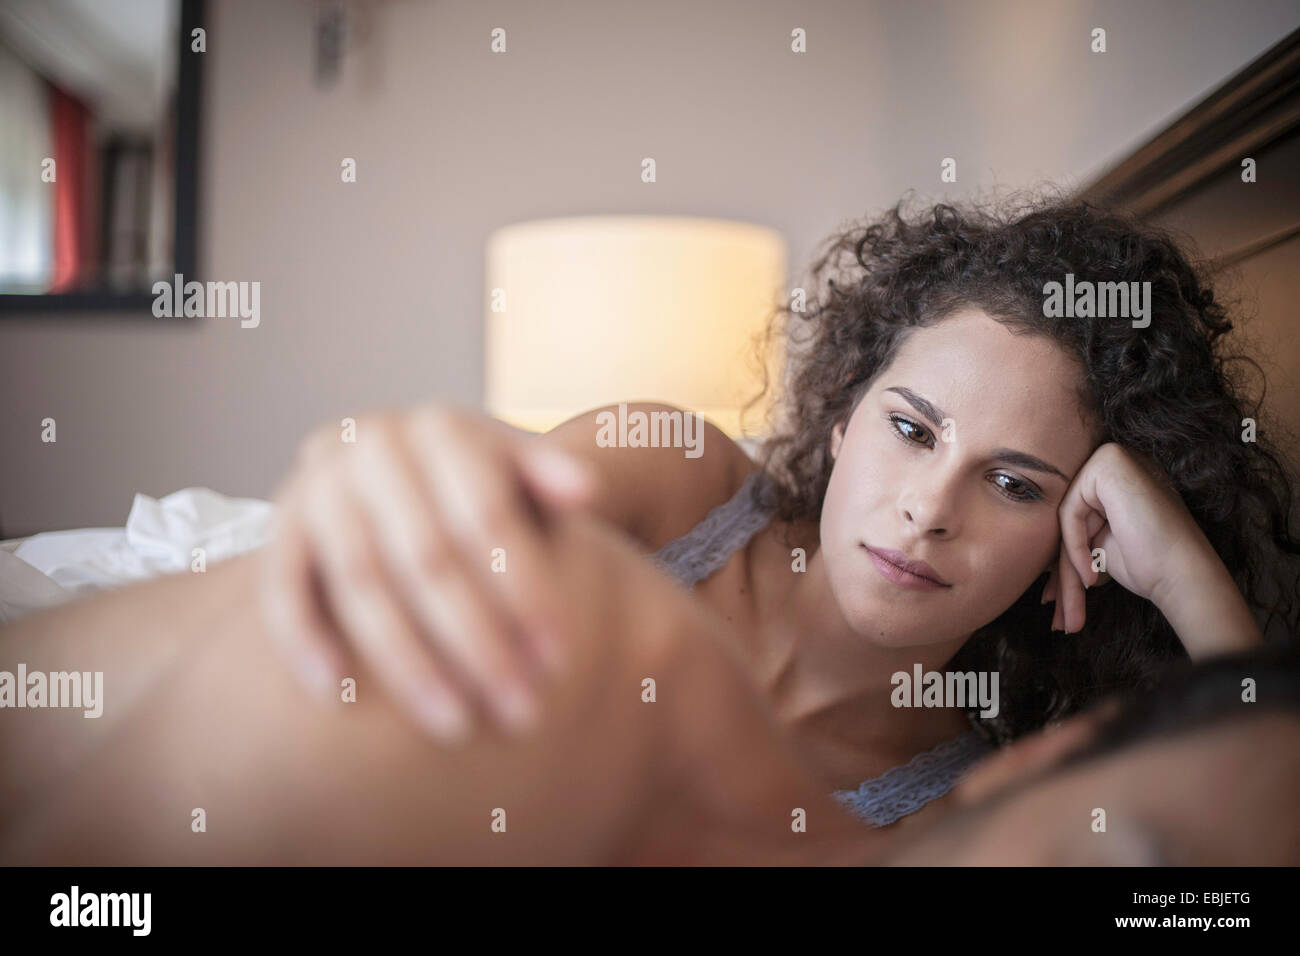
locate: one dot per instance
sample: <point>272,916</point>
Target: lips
<point>900,560</point>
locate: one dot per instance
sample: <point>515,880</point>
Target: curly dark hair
<point>1165,390</point>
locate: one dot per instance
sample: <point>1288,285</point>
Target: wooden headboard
<point>1189,179</point>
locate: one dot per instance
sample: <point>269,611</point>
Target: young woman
<point>951,458</point>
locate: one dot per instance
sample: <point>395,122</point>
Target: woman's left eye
<point>1017,490</point>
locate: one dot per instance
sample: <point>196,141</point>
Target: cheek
<point>851,509</point>
<point>1014,554</point>
<point>862,473</point>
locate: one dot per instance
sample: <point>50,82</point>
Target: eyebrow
<point>936,415</point>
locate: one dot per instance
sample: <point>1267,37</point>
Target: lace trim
<point>908,787</point>
<point>707,547</point>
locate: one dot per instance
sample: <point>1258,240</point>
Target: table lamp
<point>598,310</point>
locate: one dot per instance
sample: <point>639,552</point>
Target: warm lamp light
<point>599,310</point>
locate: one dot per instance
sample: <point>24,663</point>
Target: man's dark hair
<point>1194,696</point>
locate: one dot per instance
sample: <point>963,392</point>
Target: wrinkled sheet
<point>160,537</point>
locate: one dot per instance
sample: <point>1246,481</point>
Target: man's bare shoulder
<point>662,469</point>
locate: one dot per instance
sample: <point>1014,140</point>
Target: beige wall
<point>372,293</point>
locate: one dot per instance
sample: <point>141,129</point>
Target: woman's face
<point>958,455</point>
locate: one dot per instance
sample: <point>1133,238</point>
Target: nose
<point>931,508</point>
<point>925,527</point>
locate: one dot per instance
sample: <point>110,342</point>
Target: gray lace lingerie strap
<point>907,788</point>
<point>724,530</point>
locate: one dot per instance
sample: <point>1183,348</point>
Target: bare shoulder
<point>658,490</point>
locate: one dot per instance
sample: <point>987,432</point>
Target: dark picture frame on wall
<point>98,301</point>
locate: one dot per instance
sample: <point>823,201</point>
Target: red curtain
<point>70,123</point>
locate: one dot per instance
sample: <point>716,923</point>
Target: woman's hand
<point>1123,503</point>
<point>394,546</point>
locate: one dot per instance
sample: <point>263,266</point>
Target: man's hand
<point>405,546</point>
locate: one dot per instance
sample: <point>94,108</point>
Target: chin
<point>871,605</point>
<point>898,638</point>
<point>885,626</point>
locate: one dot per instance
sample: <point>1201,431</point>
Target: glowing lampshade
<point>598,310</point>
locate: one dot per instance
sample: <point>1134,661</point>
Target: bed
<point>184,531</point>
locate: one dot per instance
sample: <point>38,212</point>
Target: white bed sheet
<point>160,537</point>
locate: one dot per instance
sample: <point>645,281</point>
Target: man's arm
<point>200,715</point>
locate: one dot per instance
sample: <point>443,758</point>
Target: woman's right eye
<point>909,431</point>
